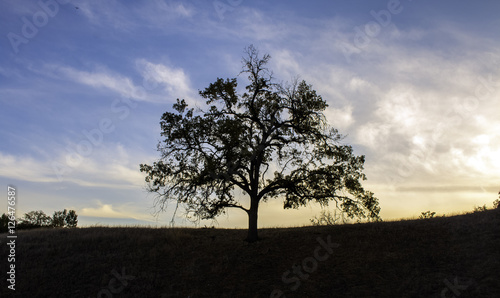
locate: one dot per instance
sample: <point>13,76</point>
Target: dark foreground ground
<point>455,256</point>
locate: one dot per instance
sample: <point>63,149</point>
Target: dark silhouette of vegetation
<point>38,219</point>
<point>426,215</point>
<point>239,138</point>
<point>327,218</point>
<point>34,219</point>
<point>410,258</point>
<point>480,209</point>
<point>4,222</point>
<point>58,218</point>
<point>71,219</point>
<point>496,203</point>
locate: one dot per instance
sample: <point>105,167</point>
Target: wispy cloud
<point>158,12</point>
<point>128,18</point>
<point>103,78</point>
<point>25,168</point>
<point>122,210</point>
<point>109,165</point>
<point>174,81</point>
<point>158,82</point>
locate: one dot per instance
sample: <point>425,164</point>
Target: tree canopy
<point>272,141</point>
<point>38,219</point>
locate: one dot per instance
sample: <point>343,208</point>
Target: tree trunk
<point>252,221</point>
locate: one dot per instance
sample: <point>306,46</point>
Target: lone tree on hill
<point>239,138</point>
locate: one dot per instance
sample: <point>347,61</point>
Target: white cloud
<point>402,110</point>
<point>25,168</point>
<point>104,210</point>
<point>175,81</point>
<point>413,34</point>
<point>130,18</point>
<point>285,63</point>
<point>122,210</point>
<point>358,84</point>
<point>373,135</point>
<point>111,166</point>
<point>101,78</point>
<point>160,8</point>
<point>341,118</point>
<point>108,14</point>
<point>159,82</point>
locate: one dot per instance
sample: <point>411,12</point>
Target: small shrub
<point>427,214</point>
<point>480,209</point>
<point>327,219</point>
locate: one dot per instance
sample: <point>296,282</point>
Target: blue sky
<point>414,85</point>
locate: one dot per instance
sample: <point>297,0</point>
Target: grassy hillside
<point>415,258</point>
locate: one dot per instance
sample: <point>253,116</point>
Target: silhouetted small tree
<point>4,222</point>
<point>496,203</point>
<point>58,218</point>
<point>71,219</point>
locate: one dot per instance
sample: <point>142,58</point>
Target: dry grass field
<point>457,256</point>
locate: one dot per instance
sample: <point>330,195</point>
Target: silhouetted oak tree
<point>239,139</point>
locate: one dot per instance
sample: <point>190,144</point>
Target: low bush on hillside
<point>427,214</point>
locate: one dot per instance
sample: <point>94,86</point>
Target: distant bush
<point>480,209</point>
<point>327,219</point>
<point>427,214</point>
